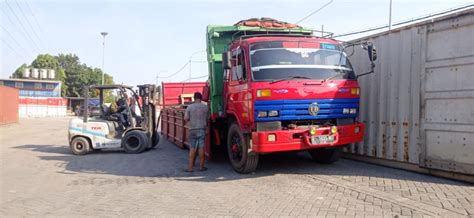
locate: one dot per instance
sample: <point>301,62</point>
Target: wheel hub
<point>79,146</point>
<point>236,148</point>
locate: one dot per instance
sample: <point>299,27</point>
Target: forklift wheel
<point>135,142</point>
<point>80,146</point>
<point>157,141</point>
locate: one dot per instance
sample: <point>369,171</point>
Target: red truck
<point>274,87</point>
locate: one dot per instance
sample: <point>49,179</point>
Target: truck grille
<point>298,109</point>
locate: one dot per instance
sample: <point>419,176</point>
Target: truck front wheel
<point>240,158</point>
<point>325,155</point>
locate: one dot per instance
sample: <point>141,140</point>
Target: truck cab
<point>292,93</point>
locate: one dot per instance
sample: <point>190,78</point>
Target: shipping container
<point>9,105</point>
<point>418,106</point>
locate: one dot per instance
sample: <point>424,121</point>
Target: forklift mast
<point>147,94</point>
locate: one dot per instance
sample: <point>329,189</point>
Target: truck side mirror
<point>369,46</point>
<point>226,56</point>
<point>372,52</point>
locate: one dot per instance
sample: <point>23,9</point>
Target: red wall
<point>8,105</point>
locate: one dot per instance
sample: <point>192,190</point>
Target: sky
<point>150,39</point>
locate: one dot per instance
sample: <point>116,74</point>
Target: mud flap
<point>208,144</point>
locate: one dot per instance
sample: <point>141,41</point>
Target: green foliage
<point>61,76</point>
<point>19,71</point>
<point>73,74</point>
<point>45,61</point>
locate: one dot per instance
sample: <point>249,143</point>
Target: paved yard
<point>40,176</point>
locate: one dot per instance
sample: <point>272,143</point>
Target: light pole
<point>390,17</point>
<point>103,54</point>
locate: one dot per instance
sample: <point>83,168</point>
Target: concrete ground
<point>40,177</point>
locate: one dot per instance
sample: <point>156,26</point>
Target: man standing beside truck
<point>197,115</point>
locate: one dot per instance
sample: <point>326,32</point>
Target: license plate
<point>322,139</point>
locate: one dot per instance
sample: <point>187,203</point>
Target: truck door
<point>237,96</point>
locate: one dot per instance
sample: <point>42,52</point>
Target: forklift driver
<point>121,111</point>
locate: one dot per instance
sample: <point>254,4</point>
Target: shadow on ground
<point>169,161</point>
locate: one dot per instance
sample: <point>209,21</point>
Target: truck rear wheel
<point>240,158</point>
<point>135,142</point>
<point>80,146</point>
<point>325,155</point>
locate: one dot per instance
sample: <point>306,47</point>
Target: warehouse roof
<point>31,80</point>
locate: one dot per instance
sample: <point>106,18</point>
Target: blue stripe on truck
<point>298,109</point>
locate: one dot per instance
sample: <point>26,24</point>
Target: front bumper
<point>300,139</point>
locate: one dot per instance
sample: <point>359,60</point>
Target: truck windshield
<point>270,64</point>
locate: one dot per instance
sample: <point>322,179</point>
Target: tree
<point>80,75</point>
<point>45,61</point>
<point>72,69</point>
<point>19,71</point>
<point>61,76</point>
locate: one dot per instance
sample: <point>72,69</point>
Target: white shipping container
<point>418,106</point>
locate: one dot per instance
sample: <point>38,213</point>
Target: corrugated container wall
<point>418,106</point>
<point>9,105</point>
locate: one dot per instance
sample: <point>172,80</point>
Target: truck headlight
<point>345,110</point>
<point>272,113</point>
<point>262,114</point>
<point>353,111</point>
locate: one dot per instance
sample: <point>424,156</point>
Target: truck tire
<point>325,155</point>
<point>80,145</point>
<point>135,142</point>
<point>240,158</point>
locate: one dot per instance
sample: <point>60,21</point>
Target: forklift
<point>131,126</point>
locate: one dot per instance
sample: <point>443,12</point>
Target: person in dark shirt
<point>122,112</point>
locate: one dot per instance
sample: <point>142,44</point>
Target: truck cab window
<point>238,65</point>
<point>242,74</point>
<point>233,70</point>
